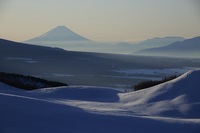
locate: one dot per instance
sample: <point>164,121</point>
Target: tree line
<point>27,82</point>
<point>147,84</point>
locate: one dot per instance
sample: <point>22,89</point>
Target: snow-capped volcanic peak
<point>60,33</point>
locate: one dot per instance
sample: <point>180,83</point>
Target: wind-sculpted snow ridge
<point>176,98</point>
<point>81,93</point>
<point>169,107</point>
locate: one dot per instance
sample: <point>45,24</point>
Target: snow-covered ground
<point>170,107</point>
<point>153,72</point>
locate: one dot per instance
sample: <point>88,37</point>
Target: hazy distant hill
<point>82,68</point>
<point>186,48</point>
<point>22,50</point>
<point>60,33</point>
<point>156,42</point>
<point>128,48</point>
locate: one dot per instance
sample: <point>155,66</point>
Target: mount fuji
<point>58,34</point>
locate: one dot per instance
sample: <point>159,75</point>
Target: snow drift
<point>177,98</point>
<point>169,107</point>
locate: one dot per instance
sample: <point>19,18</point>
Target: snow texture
<point>169,107</point>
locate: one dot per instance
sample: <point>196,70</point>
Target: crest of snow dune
<point>8,88</point>
<point>179,97</point>
<point>83,93</point>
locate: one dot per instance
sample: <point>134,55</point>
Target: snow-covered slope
<point>169,107</point>
<point>82,93</point>
<point>176,98</point>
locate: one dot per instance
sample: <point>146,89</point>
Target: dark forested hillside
<point>27,82</point>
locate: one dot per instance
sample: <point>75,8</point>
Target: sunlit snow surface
<point>170,107</point>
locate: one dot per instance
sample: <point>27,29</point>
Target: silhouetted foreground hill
<point>27,82</point>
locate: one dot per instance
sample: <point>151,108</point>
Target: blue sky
<point>101,20</point>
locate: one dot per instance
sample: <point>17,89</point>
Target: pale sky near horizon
<point>101,20</point>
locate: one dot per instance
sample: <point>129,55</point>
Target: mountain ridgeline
<point>172,46</point>
<point>157,42</point>
<point>186,48</point>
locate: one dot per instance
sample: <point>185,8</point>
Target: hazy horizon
<point>105,20</point>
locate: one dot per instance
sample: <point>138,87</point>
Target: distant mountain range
<point>186,48</point>
<point>65,38</point>
<point>60,33</point>
<point>158,42</point>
